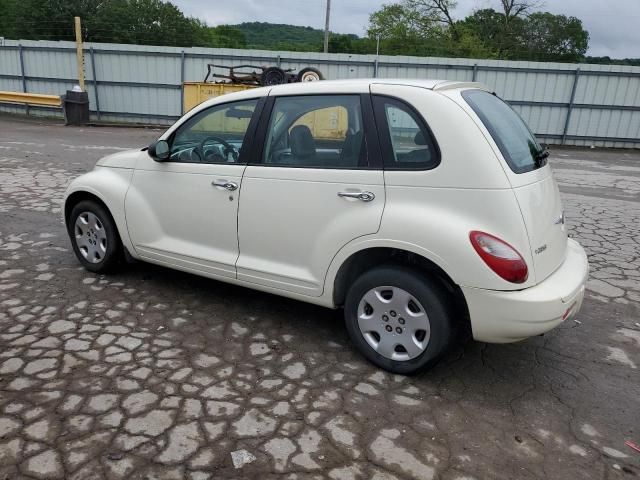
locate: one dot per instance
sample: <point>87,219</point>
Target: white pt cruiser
<point>423,208</point>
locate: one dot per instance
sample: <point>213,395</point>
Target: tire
<point>309,74</point>
<point>94,237</point>
<point>396,292</point>
<point>273,76</point>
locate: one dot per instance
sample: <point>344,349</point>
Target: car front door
<point>183,212</point>
<point>318,185</point>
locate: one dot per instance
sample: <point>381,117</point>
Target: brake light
<point>500,257</point>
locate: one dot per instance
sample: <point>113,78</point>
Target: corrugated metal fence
<point>563,103</point>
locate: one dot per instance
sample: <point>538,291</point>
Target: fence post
<point>475,72</point>
<point>95,81</point>
<point>79,52</point>
<point>182,59</point>
<point>375,68</point>
<point>570,107</point>
<point>278,61</point>
<point>22,75</point>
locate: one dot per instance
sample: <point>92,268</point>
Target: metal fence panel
<point>9,62</point>
<point>563,103</point>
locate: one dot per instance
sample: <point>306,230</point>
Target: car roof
<point>364,84</point>
<point>361,85</point>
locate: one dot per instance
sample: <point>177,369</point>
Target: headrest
<point>302,142</point>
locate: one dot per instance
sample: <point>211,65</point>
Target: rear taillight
<point>501,257</point>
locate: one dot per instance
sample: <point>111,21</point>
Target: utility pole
<point>326,28</point>
<point>79,53</point>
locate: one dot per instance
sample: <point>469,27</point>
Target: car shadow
<point>467,359</point>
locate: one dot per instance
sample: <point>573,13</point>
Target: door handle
<point>227,185</point>
<point>363,196</point>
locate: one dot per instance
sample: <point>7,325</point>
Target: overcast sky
<point>612,25</point>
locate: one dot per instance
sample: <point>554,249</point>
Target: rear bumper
<point>502,317</point>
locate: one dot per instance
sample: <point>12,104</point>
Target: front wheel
<point>94,237</point>
<point>398,319</point>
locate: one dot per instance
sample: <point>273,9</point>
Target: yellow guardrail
<point>31,99</point>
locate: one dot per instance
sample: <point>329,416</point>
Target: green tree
<point>228,37</point>
<point>348,43</point>
<point>146,22</point>
<point>399,21</point>
<point>612,61</point>
<point>517,8</point>
<point>495,32</point>
<point>119,21</point>
<point>407,27</point>
<point>468,44</point>
<point>558,38</point>
<point>8,17</point>
<point>539,36</point>
<point>436,12</point>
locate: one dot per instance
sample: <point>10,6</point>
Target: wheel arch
<point>108,187</point>
<point>366,258</point>
<point>78,196</point>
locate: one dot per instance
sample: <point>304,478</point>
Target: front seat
<point>351,148</point>
<point>303,145</point>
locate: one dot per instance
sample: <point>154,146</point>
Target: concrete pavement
<point>153,373</point>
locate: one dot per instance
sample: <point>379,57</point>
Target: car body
<point>302,190</point>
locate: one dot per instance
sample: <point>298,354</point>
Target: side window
<point>316,131</point>
<point>214,135</point>
<point>407,142</point>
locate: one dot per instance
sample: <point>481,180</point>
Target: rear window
<point>517,144</point>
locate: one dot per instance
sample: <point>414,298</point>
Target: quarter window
<point>319,131</point>
<point>409,143</point>
<point>215,135</point>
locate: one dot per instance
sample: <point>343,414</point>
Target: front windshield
<point>517,144</point>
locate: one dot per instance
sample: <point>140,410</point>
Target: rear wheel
<point>94,237</point>
<point>398,319</point>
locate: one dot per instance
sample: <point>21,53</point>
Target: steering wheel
<point>228,148</point>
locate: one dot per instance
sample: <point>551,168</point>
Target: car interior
<point>323,132</point>
<point>215,136</point>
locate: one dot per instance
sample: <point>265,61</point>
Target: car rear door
<point>316,185</point>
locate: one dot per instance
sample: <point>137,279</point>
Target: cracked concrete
<point>152,373</point>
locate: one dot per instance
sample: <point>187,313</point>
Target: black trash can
<point>76,108</point>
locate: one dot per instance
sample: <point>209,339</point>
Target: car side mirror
<point>159,150</point>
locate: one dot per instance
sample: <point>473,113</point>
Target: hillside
<point>272,36</point>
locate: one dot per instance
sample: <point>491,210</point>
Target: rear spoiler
<point>451,85</point>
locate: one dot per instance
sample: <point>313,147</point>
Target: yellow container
<point>327,123</point>
<point>197,92</point>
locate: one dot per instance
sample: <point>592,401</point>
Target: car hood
<point>124,159</point>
